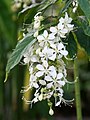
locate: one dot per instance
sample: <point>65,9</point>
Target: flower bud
<point>51,112</point>
<point>40,97</point>
<point>36,34</point>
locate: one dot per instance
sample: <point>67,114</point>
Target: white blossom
<point>45,38</point>
<point>64,26</point>
<point>60,30</point>
<point>67,22</point>
<point>33,81</point>
<point>44,69</point>
<point>45,59</point>
<point>29,56</point>
<point>59,49</point>
<point>48,53</point>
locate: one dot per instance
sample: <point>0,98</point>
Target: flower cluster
<point>46,65</point>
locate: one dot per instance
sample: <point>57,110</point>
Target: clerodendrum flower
<point>45,60</point>
<point>45,38</point>
<point>64,26</point>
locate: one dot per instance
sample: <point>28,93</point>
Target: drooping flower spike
<point>46,65</point>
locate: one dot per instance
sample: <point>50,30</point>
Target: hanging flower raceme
<point>45,59</point>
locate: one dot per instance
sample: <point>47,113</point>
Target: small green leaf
<point>85,6</point>
<point>20,49</point>
<point>86,27</point>
<point>83,40</point>
<point>72,45</point>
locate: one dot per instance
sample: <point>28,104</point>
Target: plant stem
<point>77,91</point>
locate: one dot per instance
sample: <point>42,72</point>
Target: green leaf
<point>20,49</point>
<point>85,6</point>
<point>64,9</point>
<point>83,40</point>
<point>46,4</point>
<point>28,12</point>
<point>85,25</point>
<point>72,45</point>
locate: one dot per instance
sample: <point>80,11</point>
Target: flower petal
<point>61,20</point>
<point>52,72</point>
<point>35,85</point>
<point>42,82</point>
<point>60,46</point>
<point>53,45</point>
<point>40,67</point>
<point>40,73</point>
<point>64,52</point>
<point>62,83</point>
<point>60,26</point>
<point>64,31</point>
<point>45,34</point>
<point>58,103</point>
<point>48,78</point>
<point>53,29</point>
<point>34,58</point>
<point>53,57</point>
<point>49,85</point>
<point>59,76</point>
<point>40,38</point>
<point>51,36</point>
<point>45,63</point>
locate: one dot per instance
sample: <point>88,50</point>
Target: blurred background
<point>12,107</point>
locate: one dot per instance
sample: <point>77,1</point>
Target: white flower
<point>56,81</point>
<point>44,69</point>
<point>33,81</point>
<point>30,56</point>
<point>67,22</point>
<point>59,49</point>
<point>27,55</point>
<point>45,38</point>
<point>46,66</point>
<point>59,30</point>
<point>48,53</point>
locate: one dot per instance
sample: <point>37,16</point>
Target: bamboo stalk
<point>77,90</point>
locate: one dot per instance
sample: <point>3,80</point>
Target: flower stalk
<point>77,90</point>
